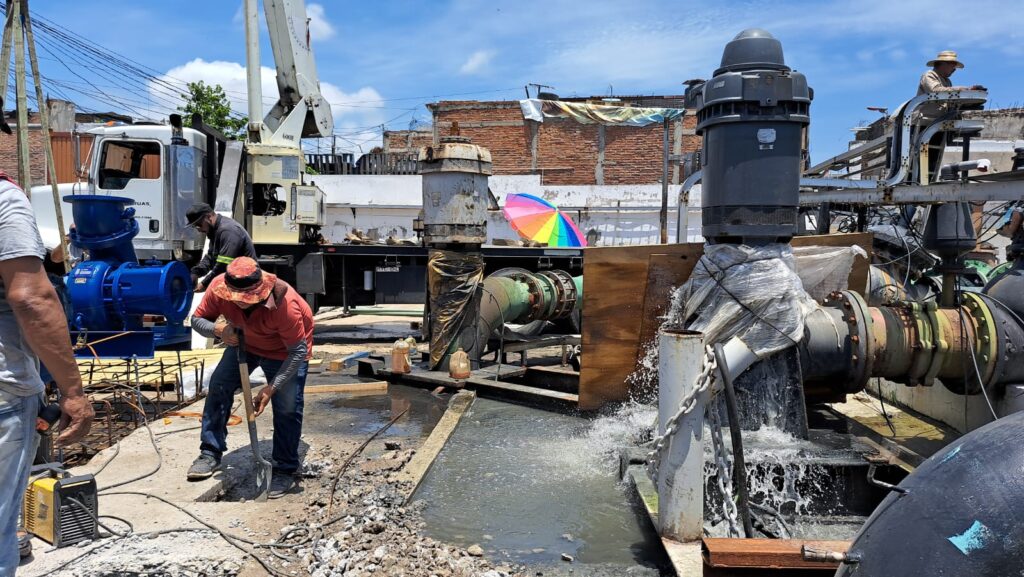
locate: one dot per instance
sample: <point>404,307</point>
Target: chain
<point>704,381</point>
<point>724,477</point>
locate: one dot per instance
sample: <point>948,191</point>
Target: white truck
<point>262,184</point>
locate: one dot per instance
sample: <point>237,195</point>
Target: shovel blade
<point>264,471</point>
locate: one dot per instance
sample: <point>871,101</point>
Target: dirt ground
<point>348,516</point>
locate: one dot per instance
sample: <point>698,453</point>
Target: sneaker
<point>203,467</point>
<point>281,484</point>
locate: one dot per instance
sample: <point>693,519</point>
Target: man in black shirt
<point>228,241</point>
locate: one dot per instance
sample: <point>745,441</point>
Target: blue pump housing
<point>116,303</point>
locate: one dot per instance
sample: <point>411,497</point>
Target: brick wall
<point>407,140</point>
<point>9,150</point>
<point>567,152</point>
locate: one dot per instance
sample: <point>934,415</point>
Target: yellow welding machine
<point>58,508</point>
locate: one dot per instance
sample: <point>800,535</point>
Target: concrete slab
<point>334,425</point>
<point>687,558</point>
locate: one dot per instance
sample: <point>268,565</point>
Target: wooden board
<point>767,553</point>
<point>612,318</point>
<point>417,468</point>
<point>916,437</point>
<point>624,315</point>
<point>521,390</point>
<point>375,386</point>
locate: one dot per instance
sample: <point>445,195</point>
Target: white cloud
<point>476,62</point>
<point>356,114</point>
<point>319,27</point>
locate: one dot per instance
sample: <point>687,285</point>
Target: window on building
<point>124,160</point>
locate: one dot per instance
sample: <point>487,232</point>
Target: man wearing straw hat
<point>938,78</point>
<point>277,325</point>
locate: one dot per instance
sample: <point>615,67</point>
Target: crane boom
<point>300,110</point>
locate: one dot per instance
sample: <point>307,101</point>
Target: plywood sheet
<point>615,286</point>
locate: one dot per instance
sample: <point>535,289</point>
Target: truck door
<point>134,169</point>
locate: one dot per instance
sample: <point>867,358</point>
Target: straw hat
<point>946,56</point>
<point>244,282</point>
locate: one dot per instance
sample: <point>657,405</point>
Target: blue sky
<point>379,62</point>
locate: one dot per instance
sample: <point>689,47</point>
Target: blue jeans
<point>18,440</point>
<point>286,402</point>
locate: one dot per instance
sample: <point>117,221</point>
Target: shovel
<point>263,467</point>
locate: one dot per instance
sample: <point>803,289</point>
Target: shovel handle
<point>243,371</point>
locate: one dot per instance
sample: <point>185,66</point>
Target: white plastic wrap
<point>825,269</point>
<point>753,293</point>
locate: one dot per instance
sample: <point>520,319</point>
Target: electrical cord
<point>974,359</point>
<point>359,449</point>
<point>881,401</point>
<point>159,455</point>
<point>96,519</point>
<point>501,343</point>
<point>233,540</point>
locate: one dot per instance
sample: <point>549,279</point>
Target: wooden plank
<point>380,386</point>
<point>416,469</point>
<point>635,282</point>
<point>665,271</point>
<point>522,390</point>
<point>767,553</point>
<point>916,437</point>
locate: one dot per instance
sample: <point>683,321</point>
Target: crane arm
<point>300,110</point>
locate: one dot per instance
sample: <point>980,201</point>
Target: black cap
<point>6,128</point>
<point>197,211</point>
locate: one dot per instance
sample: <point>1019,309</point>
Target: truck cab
<point>162,172</point>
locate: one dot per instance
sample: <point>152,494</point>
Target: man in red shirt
<point>278,328</point>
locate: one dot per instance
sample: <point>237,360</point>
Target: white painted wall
<point>383,206</point>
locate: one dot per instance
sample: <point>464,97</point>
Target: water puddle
<point>529,486</point>
<point>364,413</point>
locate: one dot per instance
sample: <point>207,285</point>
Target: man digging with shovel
<point>268,325</point>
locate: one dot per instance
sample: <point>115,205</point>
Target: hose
<point>739,469</point>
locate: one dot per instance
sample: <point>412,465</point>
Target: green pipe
<point>509,299</point>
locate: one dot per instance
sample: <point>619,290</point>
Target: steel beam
<point>915,194</point>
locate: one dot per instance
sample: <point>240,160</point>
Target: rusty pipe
<point>846,343</point>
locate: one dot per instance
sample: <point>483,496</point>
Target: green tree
<point>210,101</point>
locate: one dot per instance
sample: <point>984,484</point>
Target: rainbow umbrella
<point>538,220</point>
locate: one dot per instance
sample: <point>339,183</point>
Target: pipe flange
<point>922,353</point>
<point>566,292</point>
<point>986,341</point>
<point>857,316</point>
<point>526,277</point>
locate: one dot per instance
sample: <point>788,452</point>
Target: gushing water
<point>529,485</point>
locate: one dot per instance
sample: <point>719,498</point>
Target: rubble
<point>372,531</point>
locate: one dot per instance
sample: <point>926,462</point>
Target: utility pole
<point>18,35</point>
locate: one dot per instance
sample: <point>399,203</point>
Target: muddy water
<point>529,485</point>
<point>364,413</point>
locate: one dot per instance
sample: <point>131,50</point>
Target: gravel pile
<point>379,535</point>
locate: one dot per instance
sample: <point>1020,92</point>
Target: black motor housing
<point>752,115</point>
<point>958,514</point>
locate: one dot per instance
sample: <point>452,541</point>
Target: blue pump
<point>115,301</point>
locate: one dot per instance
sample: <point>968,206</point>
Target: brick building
<point>407,141</point>
<point>561,151</point>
